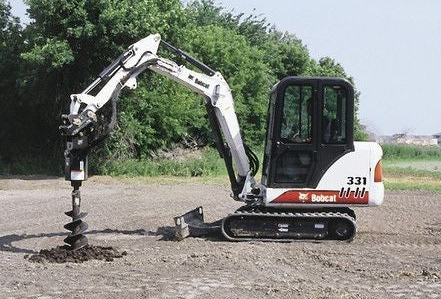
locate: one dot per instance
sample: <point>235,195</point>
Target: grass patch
<point>410,152</point>
<point>208,164</point>
<point>425,167</point>
<point>165,180</point>
<point>410,182</point>
<point>411,172</point>
<point>406,174</point>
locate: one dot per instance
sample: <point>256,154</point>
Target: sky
<point>392,49</point>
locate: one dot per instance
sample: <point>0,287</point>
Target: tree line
<point>68,42</point>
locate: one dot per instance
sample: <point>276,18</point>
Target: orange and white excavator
<point>312,173</point>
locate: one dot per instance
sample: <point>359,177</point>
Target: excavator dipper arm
<point>83,129</point>
<point>210,84</point>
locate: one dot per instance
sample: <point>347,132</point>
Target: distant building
<point>438,137</point>
<point>423,140</point>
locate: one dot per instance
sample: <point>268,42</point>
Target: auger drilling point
<point>76,239</point>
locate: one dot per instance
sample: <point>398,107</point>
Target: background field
<point>405,167</point>
<point>412,167</point>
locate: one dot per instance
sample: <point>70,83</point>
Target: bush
<point>208,164</point>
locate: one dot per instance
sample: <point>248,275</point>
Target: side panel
<point>349,181</point>
<point>377,188</point>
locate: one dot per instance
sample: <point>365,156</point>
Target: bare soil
<point>396,254</point>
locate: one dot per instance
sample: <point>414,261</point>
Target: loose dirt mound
<point>63,254</point>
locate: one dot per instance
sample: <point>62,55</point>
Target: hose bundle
<point>252,159</point>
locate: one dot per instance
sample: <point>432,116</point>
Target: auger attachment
<point>76,239</point>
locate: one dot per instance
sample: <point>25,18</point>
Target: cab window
<point>297,114</point>
<point>334,115</point>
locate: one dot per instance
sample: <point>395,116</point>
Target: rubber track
<point>282,214</point>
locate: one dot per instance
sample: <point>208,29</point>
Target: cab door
<point>310,127</point>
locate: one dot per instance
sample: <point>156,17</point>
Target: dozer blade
<point>192,224</point>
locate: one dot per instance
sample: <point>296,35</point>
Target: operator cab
<point>310,126</point>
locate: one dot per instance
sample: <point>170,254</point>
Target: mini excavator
<point>312,173</point>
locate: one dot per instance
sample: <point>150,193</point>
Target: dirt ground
<point>396,254</point>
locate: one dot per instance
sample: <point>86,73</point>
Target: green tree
<point>69,42</point>
<point>284,52</point>
<point>244,69</point>
<point>11,44</point>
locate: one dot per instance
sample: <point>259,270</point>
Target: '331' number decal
<point>356,180</point>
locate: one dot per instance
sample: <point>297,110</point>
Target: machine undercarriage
<point>268,224</point>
